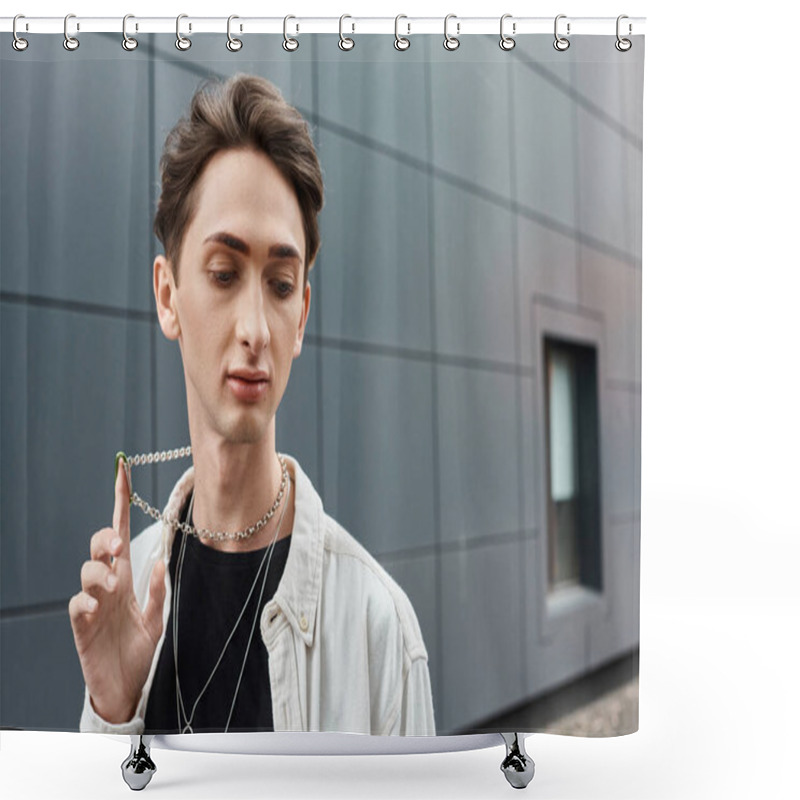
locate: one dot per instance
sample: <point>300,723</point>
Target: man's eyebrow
<point>235,243</point>
<point>284,251</point>
<point>229,240</point>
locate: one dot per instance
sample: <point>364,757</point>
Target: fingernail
<point>116,543</point>
<point>111,581</point>
<point>92,603</point>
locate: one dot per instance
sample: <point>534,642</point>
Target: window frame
<point>570,608</point>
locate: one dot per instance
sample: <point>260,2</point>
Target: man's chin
<point>246,431</point>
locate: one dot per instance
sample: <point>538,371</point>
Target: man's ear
<point>298,342</point>
<point>164,290</point>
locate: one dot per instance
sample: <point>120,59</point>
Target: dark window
<point>573,465</point>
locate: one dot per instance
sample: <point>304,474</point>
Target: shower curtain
<point>467,400</point>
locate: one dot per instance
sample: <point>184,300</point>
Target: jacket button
<point>303,623</point>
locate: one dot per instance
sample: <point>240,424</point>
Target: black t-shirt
<point>214,587</point>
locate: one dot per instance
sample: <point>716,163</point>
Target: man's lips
<point>249,374</point>
<point>248,385</point>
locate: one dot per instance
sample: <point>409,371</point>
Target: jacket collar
<point>300,586</point>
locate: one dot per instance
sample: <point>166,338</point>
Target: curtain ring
<point>623,45</point>
<point>181,42</point>
<point>128,43</point>
<point>451,42</point>
<point>345,43</point>
<point>70,42</point>
<point>507,42</point>
<point>400,42</point>
<point>233,44</point>
<point>561,43</point>
<point>289,44</point>
<point>19,44</point>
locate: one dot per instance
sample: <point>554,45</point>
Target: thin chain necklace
<point>185,721</point>
<point>186,527</point>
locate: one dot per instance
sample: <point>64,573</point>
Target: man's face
<point>240,308</point>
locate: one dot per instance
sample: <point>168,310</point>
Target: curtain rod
<point>407,26</point>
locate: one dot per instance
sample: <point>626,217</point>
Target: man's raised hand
<point>114,638</point>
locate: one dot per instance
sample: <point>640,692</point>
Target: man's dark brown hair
<point>245,111</point>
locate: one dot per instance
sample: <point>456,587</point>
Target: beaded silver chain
<point>200,533</point>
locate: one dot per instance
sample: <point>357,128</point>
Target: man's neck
<point>236,485</point>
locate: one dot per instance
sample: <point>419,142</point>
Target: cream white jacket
<point>345,648</point>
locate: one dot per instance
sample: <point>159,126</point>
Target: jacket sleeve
<point>416,717</point>
<point>92,722</point>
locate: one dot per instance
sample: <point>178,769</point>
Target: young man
<point>247,608</point>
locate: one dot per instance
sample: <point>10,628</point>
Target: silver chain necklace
<point>201,533</point>
<point>185,721</point>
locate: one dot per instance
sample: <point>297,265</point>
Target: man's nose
<point>252,324</point>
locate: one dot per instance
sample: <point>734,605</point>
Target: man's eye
<point>283,288</point>
<point>224,277</point>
